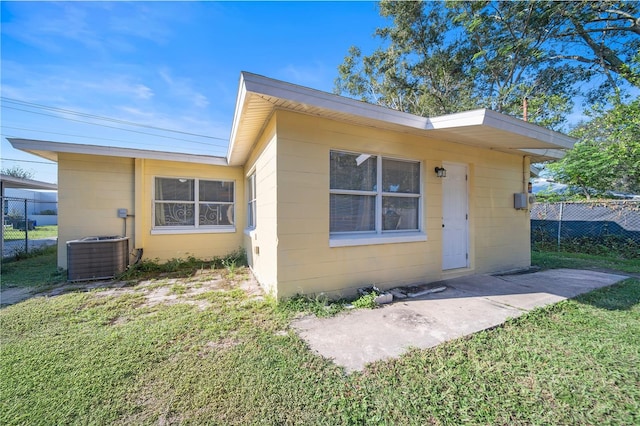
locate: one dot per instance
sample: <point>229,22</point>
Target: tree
<point>420,71</point>
<point>18,172</point>
<point>603,35</point>
<point>444,57</point>
<point>607,156</point>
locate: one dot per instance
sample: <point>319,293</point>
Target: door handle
<point>443,225</point>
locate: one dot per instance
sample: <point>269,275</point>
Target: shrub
<point>624,247</point>
<point>366,301</point>
<point>182,267</point>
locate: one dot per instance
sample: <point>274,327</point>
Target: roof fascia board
<point>49,150</point>
<point>474,117</point>
<point>27,183</point>
<point>498,121</point>
<point>534,171</point>
<point>515,125</point>
<point>279,89</point>
<point>238,112</point>
<point>551,154</point>
<point>264,86</point>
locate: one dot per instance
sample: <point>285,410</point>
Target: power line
<point>98,117</point>
<point>29,161</point>
<point>195,150</point>
<point>113,127</point>
<point>97,137</point>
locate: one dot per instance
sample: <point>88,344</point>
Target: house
<point>326,194</point>
<point>31,197</point>
<point>41,204</point>
<point>22,201</point>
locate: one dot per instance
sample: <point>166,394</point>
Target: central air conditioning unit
<point>93,258</point>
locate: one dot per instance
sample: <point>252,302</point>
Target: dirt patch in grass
<point>158,291</point>
<point>171,291</point>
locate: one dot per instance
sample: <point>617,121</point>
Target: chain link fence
<point>28,225</point>
<point>597,227</point>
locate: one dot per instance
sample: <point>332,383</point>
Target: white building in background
<point>41,199</point>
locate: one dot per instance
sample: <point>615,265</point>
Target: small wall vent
<point>92,258</point>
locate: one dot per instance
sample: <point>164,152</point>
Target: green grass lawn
<point>35,271</point>
<point>35,234</point>
<point>559,259</point>
<point>97,358</point>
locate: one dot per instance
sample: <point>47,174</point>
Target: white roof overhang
<point>259,97</point>
<point>15,182</point>
<point>50,151</point>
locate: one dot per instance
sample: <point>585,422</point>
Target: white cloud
<point>182,89</point>
<point>101,27</point>
<point>143,92</point>
<point>315,75</point>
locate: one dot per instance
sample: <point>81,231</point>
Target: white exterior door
<point>455,217</point>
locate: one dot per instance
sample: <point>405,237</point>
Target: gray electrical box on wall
<point>122,213</point>
<point>521,201</point>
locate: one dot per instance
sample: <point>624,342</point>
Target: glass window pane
<point>399,213</point>
<point>400,176</point>
<point>216,191</point>
<point>351,213</point>
<point>353,171</point>
<point>251,206</point>
<point>252,214</point>
<point>174,214</point>
<point>252,187</point>
<point>215,214</point>
<point>174,189</point>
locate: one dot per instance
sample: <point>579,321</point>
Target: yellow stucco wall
<point>498,234</point>
<point>203,245</point>
<point>289,249</point>
<point>261,243</point>
<point>91,190</point>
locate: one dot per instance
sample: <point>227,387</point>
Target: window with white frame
<point>251,203</point>
<point>373,194</point>
<point>181,203</point>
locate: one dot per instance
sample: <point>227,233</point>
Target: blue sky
<point>169,65</point>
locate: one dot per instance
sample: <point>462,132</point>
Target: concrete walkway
<point>468,305</point>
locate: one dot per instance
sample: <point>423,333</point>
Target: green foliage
<point>607,156</point>
<point>617,245</point>
<point>97,358</point>
<point>178,289</point>
<point>603,35</point>
<point>440,58</point>
<point>549,196</point>
<point>178,267</point>
<point>415,71</point>
<point>230,266</point>
<point>34,269</point>
<point>553,259</point>
<point>46,231</point>
<point>17,172</point>
<point>366,301</point>
<point>319,305</point>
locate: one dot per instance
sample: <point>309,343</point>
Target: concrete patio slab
<point>470,304</point>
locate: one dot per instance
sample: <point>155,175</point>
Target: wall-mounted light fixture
<point>441,172</point>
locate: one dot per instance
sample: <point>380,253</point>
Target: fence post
<point>2,203</point>
<point>560,223</point>
<point>26,227</point>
